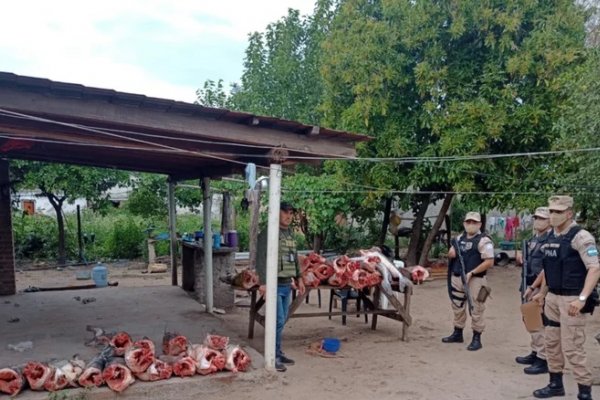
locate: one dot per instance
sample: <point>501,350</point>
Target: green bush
<point>126,239</point>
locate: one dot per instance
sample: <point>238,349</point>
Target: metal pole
<point>272,258</point>
<point>172,231</point>
<point>208,253</point>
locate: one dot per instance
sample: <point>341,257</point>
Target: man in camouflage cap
<point>288,276</point>
<point>532,267</point>
<point>477,251</point>
<point>571,272</point>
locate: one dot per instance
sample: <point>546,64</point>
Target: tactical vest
<point>469,249</point>
<point>565,271</point>
<point>535,256</point>
<point>288,257</point>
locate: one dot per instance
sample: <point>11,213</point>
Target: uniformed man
<point>571,272</point>
<point>541,228</point>
<point>477,252</point>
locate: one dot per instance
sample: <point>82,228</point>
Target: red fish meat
<point>174,344</point>
<point>116,374</point>
<point>158,370</point>
<point>11,381</point>
<point>216,342</point>
<point>236,359</point>
<point>37,374</point>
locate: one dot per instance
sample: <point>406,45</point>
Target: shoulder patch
<point>592,251</point>
<point>489,246</point>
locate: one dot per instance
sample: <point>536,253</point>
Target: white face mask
<point>540,225</point>
<point>471,229</point>
<point>557,219</point>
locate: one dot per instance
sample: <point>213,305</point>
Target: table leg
<point>375,307</point>
<point>407,296</point>
<point>252,314</point>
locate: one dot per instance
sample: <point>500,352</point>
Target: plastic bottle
<point>100,275</point>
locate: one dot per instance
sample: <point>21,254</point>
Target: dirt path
<point>376,364</point>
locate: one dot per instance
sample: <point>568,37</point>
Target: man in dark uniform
<point>571,272</point>
<point>541,227</point>
<point>477,251</point>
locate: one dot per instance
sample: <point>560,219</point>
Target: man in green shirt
<point>288,275</point>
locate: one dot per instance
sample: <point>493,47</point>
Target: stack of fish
<point>122,361</point>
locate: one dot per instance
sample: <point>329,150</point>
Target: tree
<point>60,183</point>
<point>450,78</point>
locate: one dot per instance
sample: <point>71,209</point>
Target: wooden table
<point>400,311</point>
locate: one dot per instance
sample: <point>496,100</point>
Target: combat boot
<point>455,337</point>
<point>554,388</point>
<point>528,359</point>
<point>475,342</point>
<point>539,366</point>
<point>585,392</point>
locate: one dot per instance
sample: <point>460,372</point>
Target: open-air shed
<point>69,123</point>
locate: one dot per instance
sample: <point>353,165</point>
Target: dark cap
<point>285,206</point>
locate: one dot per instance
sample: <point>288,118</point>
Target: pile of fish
<point>122,361</point>
<point>370,269</point>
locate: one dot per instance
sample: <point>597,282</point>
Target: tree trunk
<point>317,242</point>
<point>435,228</point>
<point>57,205</point>
<point>386,220</point>
<point>420,208</point>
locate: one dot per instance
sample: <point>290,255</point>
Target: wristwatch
<point>582,297</point>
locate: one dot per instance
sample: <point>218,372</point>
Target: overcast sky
<point>161,48</point>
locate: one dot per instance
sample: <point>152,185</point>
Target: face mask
<point>471,229</point>
<point>558,219</point>
<point>540,225</point>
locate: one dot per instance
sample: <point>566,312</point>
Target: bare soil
<point>373,364</point>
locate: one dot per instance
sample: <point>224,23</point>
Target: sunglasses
<point>557,211</point>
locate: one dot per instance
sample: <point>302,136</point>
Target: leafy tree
<point>449,78</point>
<point>60,183</point>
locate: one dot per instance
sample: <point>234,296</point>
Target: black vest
<point>469,249</point>
<point>535,256</point>
<point>565,271</point>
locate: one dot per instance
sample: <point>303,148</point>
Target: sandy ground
<point>371,364</point>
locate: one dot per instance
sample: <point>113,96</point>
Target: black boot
<point>585,392</point>
<point>528,359</point>
<point>476,342</point>
<point>456,337</point>
<point>539,367</point>
<point>554,388</point>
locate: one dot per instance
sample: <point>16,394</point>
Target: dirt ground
<point>371,364</point>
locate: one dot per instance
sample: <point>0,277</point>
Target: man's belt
<point>565,292</point>
<point>284,281</point>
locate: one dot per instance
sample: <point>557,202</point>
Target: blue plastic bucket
<point>100,275</point>
<point>331,345</point>
<point>216,240</point>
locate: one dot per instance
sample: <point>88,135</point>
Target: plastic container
<point>216,240</point>
<point>83,275</point>
<point>100,275</point>
<point>331,345</point>
<point>232,239</point>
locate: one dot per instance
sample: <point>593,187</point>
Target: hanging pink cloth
<point>509,229</point>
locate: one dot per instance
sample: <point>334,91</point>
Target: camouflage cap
<point>473,216</point>
<point>542,212</point>
<point>560,203</point>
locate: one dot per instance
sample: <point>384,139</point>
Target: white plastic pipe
<point>272,261</point>
<point>208,242</point>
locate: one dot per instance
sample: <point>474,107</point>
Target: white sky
<point>161,48</point>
